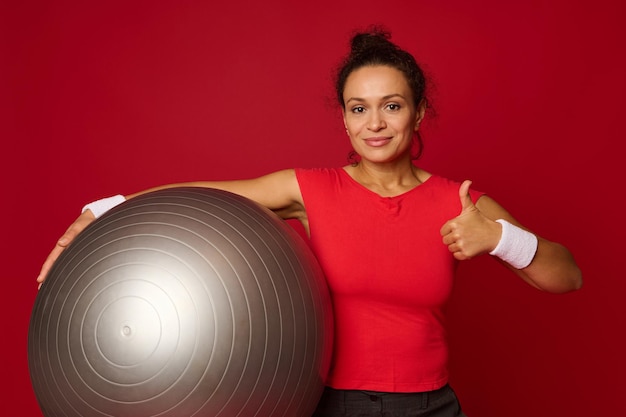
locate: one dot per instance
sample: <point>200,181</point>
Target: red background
<point>99,98</point>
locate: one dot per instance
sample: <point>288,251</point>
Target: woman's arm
<point>475,232</point>
<point>278,191</point>
<point>552,269</point>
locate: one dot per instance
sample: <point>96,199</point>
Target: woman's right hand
<point>278,191</point>
<point>75,228</point>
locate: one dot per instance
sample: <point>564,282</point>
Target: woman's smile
<point>378,141</point>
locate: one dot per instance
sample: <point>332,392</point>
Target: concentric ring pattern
<point>182,302</point>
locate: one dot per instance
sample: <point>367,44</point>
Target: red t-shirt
<point>389,275</point>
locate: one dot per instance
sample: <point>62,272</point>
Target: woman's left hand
<point>470,233</point>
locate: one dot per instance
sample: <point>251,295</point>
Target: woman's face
<point>379,113</point>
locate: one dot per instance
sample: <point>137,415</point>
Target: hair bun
<point>373,39</point>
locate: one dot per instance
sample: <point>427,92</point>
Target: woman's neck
<point>387,180</point>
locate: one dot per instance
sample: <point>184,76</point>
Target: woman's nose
<point>376,122</point>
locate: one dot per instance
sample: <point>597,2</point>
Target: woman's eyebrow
<point>387,97</point>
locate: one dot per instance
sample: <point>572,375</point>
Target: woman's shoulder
<point>320,179</point>
<point>449,187</point>
<point>318,173</point>
<point>319,170</point>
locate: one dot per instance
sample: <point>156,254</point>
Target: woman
<point>388,236</point>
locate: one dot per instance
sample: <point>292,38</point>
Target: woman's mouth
<point>376,142</point>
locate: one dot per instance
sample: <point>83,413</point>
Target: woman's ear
<point>421,111</point>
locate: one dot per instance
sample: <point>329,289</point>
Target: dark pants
<point>347,403</point>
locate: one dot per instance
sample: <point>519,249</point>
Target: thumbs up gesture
<point>470,233</point>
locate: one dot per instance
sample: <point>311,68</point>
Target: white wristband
<point>516,247</point>
<point>99,207</point>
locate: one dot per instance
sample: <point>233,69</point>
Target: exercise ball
<point>182,302</point>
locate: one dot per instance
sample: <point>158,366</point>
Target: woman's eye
<point>358,109</point>
<point>393,106</point>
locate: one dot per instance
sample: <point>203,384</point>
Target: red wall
<point>98,98</point>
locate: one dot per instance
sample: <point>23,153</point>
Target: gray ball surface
<point>182,302</point>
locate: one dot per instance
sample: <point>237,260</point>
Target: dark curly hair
<point>373,47</point>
